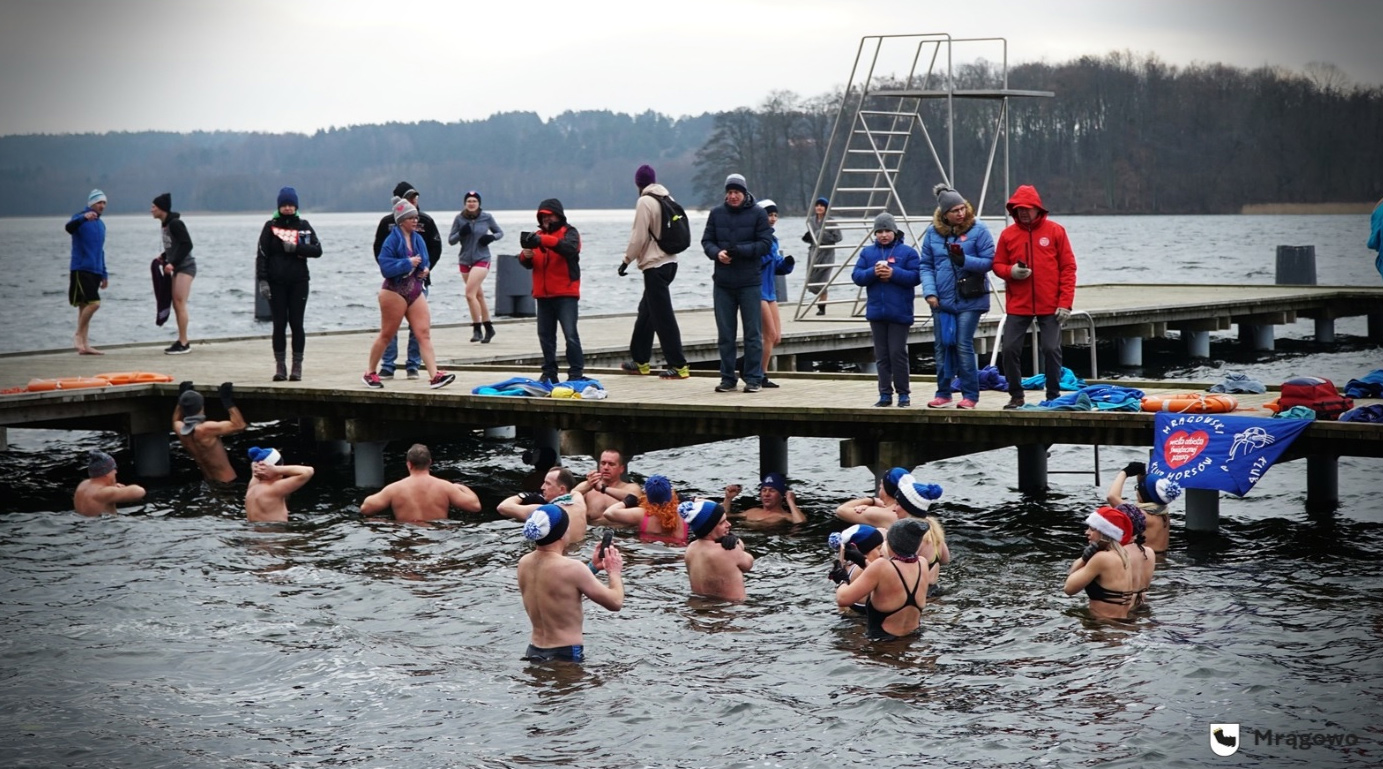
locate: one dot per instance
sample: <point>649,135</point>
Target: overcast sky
<point>301,65</point>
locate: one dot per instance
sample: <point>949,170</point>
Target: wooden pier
<point>646,413</point>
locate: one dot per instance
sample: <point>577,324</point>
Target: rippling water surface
<point>177,635</point>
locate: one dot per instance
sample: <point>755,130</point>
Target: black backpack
<point>676,230</point>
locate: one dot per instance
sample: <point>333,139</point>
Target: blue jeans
<point>743,301</point>
<point>959,361</point>
<point>389,362</point>
<point>551,312</point>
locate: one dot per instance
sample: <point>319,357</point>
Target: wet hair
<point>935,534</point>
<point>564,477</point>
<point>419,456</point>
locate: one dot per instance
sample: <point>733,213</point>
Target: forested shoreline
<point>1124,135</point>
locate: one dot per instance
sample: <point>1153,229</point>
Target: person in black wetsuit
<point>899,581</point>
<point>1103,570</point>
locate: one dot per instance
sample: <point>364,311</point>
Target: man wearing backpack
<point>661,231</point>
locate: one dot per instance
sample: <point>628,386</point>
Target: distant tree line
<point>514,159</point>
<point>1124,134</point>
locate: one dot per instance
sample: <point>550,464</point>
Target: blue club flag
<point>1214,451</point>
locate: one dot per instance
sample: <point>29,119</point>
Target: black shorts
<point>83,288</point>
<point>573,653</point>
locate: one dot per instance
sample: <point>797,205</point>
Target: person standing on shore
<point>475,230</point>
<point>178,262</point>
<point>427,227</point>
<point>957,251</point>
<point>87,267</point>
<point>659,268</point>
<point>285,244</point>
<point>553,253</point>
<point>1376,236</point>
<point>736,239</point>
<point>889,270</point>
<point>1034,258</point>
<point>100,492</point>
<point>820,240</point>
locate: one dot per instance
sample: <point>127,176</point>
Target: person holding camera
<point>1034,258</point>
<point>553,253</point>
<point>551,586</point>
<point>888,270</point>
<point>957,251</point>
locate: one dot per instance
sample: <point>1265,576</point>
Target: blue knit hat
<point>891,481</point>
<point>287,196</point>
<point>267,456</point>
<point>658,489</point>
<point>914,496</point>
<point>864,536</point>
<point>1159,489</point>
<point>701,515</point>
<point>546,525</point>
<point>775,481</point>
<point>823,202</point>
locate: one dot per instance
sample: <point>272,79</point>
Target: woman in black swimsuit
<point>1103,570</point>
<point>899,582</point>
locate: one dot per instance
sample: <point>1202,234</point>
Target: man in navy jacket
<point>736,239</point>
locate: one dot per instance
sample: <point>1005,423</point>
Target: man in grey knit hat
<point>100,492</point>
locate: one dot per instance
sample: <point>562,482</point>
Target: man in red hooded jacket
<point>553,253</point>
<point>1034,258</point>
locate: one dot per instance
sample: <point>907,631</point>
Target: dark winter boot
<point>297,375</point>
<point>475,332</point>
<point>280,369</point>
<point>489,332</point>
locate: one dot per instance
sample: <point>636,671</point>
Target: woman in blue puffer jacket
<point>888,269</point>
<point>954,246</point>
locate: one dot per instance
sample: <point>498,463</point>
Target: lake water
<point>177,635</point>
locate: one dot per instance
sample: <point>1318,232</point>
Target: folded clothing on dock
<point>1069,381</point>
<point>989,378</point>
<point>1373,413</point>
<point>1236,382</point>
<point>1369,385</point>
<point>1296,412</point>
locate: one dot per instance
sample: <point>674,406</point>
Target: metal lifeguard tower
<point>877,125</point>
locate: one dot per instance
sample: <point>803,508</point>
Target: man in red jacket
<point>1034,258</point>
<point>553,254</point>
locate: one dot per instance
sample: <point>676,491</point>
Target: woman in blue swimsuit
<point>403,263</point>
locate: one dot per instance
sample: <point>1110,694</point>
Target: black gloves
<point>839,573</point>
<point>185,386</point>
<point>788,261</point>
<point>956,254</point>
<point>226,392</point>
<point>264,289</point>
<point>530,240</point>
<point>623,268</point>
<point>532,498</point>
<point>631,500</point>
<point>1089,552</point>
<point>853,555</point>
<point>1135,468</point>
<point>729,541</point>
<point>807,238</point>
<point>465,230</point>
<point>485,239</point>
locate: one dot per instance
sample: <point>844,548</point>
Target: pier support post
<point>4,439</point>
<point>1325,330</point>
<point>151,455</point>
<point>784,362</point>
<point>1202,510</point>
<point>773,455</point>
<point>1130,350</point>
<point>1375,327</point>
<point>1032,468</point>
<point>1258,337</point>
<point>550,438</point>
<point>1197,343</point>
<point>369,464</point>
<point>1322,483</point>
<point>334,448</point>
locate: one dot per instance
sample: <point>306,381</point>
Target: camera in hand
<point>729,541</point>
<point>955,248</point>
<point>529,240</point>
<point>605,540</point>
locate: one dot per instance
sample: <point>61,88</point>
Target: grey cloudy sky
<point>300,65</point>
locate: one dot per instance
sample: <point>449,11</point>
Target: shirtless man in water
<point>716,560</point>
<point>778,505</point>
<point>552,585</point>
<point>558,489</point>
<point>605,485</point>
<point>270,484</point>
<point>100,492</point>
<point>202,439</point>
<point>420,496</point>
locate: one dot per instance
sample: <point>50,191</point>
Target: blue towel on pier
<point>1296,412</point>
<point>584,382</point>
<point>1372,413</point>
<point>1076,401</point>
<point>1236,382</point>
<point>515,386</point>
<point>1069,381</point>
<point>989,377</point>
<point>1107,397</point>
<point>1369,385</point>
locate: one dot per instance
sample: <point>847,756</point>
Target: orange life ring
<point>66,383</point>
<point>1191,403</point>
<point>134,377</point>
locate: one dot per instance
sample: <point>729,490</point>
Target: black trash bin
<point>513,288</point>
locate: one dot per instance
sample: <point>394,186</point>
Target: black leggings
<point>288,302</point>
